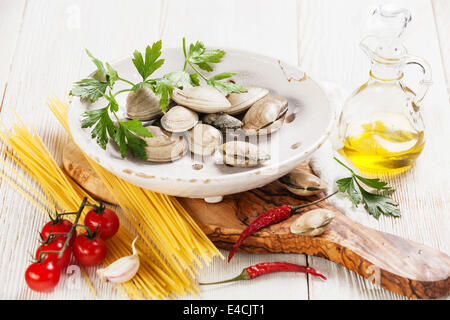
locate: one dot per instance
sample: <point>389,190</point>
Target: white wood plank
<point>441,10</point>
<point>49,58</point>
<point>329,33</point>
<point>10,23</point>
<point>266,27</point>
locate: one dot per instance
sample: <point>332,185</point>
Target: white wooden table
<point>42,51</point>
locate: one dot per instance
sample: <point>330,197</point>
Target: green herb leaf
<point>347,185</point>
<point>127,140</point>
<point>194,79</point>
<point>113,104</point>
<point>163,90</point>
<point>201,57</point>
<point>150,64</point>
<point>226,86</point>
<point>125,134</point>
<point>100,74</point>
<point>221,76</point>
<point>182,79</point>
<point>106,74</point>
<point>111,75</point>
<point>104,125</point>
<point>89,89</point>
<point>136,127</point>
<point>377,204</point>
<point>375,183</point>
<point>121,141</point>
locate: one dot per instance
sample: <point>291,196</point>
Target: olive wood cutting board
<point>396,264</point>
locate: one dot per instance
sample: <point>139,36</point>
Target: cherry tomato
<point>105,219</point>
<point>56,245</point>
<point>43,276</point>
<point>89,251</point>
<point>61,226</point>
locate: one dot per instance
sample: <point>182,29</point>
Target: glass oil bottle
<point>380,126</point>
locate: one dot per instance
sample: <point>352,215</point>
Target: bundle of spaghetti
<point>31,154</point>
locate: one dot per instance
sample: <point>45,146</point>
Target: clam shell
<point>312,223</point>
<point>163,146</point>
<point>143,105</point>
<point>222,121</point>
<point>242,154</point>
<point>205,99</point>
<point>303,183</point>
<point>179,119</point>
<point>242,101</point>
<point>204,139</point>
<point>265,116</point>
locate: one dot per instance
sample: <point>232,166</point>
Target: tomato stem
<point>74,226</point>
<point>67,213</point>
<point>97,208</point>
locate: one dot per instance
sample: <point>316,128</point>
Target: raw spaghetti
<point>172,247</point>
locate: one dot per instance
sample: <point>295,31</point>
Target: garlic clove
<point>123,269</point>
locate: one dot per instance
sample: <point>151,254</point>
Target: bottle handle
<point>426,80</point>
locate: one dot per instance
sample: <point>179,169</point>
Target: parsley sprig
<point>128,134</point>
<point>125,133</point>
<point>376,204</point>
<point>199,57</point>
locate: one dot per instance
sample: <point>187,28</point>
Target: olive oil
<point>384,147</point>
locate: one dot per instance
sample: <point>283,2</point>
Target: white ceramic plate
<point>293,143</point>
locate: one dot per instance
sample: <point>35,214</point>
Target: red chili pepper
<point>270,267</point>
<point>268,218</point>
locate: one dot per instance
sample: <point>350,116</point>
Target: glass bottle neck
<point>384,71</point>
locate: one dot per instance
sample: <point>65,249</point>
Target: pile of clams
<point>198,118</point>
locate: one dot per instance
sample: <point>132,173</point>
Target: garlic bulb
<point>123,269</point>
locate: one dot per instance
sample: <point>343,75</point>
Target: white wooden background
<point>42,51</point>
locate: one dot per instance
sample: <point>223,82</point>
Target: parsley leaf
<point>104,125</point>
<point>150,64</point>
<point>126,134</point>
<point>194,79</point>
<point>163,90</point>
<point>101,71</point>
<point>127,140</point>
<point>347,185</point>
<point>136,127</point>
<point>376,204</point>
<point>93,89</point>
<point>201,57</point>
<point>111,75</point>
<point>226,86</point>
<point>89,89</point>
<point>104,72</point>
<point>373,183</point>
<point>182,79</point>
